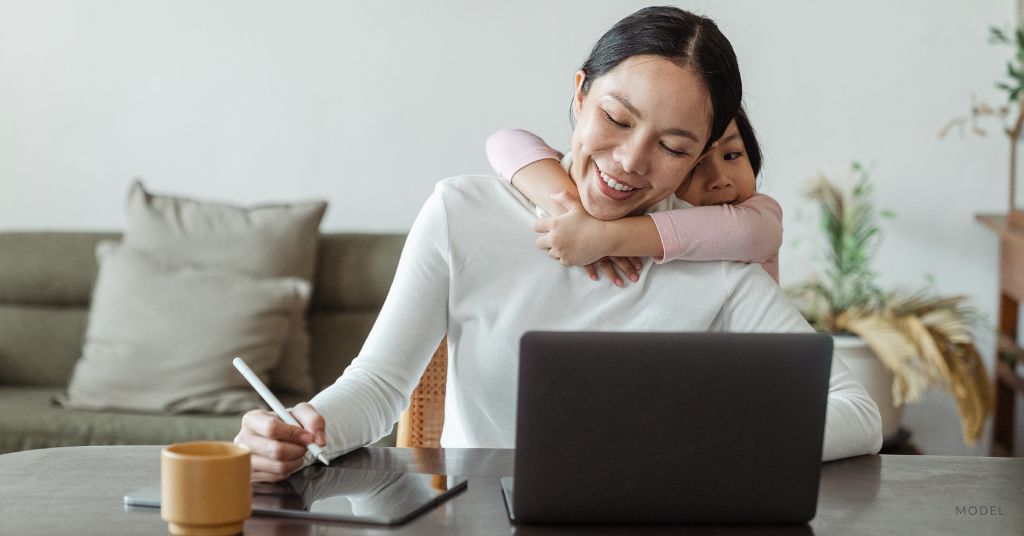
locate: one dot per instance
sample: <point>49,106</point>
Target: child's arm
<point>534,169</point>
<point>750,232</point>
<point>530,165</point>
<point>771,265</point>
<point>576,238</point>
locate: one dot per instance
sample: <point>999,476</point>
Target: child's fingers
<point>542,225</point>
<point>592,271</point>
<point>638,263</point>
<point>544,242</point>
<point>626,267</point>
<point>567,200</point>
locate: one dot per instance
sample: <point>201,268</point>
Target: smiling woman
<point>655,93</point>
<point>634,142</point>
<point>645,114</point>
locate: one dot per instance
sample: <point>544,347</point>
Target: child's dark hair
<point>750,145</point>
<point>686,39</point>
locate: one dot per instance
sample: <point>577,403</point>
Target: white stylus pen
<point>274,403</point>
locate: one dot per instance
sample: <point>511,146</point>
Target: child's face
<point>723,176</point>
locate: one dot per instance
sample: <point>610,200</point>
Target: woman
<point>469,268</point>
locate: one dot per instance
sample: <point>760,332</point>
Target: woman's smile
<point>611,187</point>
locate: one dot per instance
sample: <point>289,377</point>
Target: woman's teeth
<point>616,185</point>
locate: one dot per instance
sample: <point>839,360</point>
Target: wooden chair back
<point>420,424</point>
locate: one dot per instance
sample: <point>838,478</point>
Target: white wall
<point>367,104</point>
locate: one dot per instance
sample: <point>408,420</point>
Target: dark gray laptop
<point>721,428</point>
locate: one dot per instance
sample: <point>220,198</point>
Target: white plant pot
<point>872,374</point>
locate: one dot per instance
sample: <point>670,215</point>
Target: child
<point>729,220</point>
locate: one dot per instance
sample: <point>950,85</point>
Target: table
<point>79,490</point>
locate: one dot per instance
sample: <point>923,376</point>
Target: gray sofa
<point>46,279</point>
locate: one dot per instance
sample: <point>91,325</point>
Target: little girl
<point>729,221</point>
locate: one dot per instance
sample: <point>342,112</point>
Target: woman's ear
<point>578,95</point>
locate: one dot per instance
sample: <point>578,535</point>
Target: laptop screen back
<point>670,427</point>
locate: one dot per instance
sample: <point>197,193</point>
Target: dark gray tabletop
<point>79,490</point>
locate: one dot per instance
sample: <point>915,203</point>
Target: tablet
<point>338,494</point>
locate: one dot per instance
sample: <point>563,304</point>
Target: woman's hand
<point>629,267</point>
<point>578,239</point>
<point>278,448</point>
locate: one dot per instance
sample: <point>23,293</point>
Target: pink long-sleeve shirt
<point>750,231</point>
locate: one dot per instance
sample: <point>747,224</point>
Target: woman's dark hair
<point>688,40</point>
<point>750,145</point>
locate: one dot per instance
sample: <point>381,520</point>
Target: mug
<point>205,488</point>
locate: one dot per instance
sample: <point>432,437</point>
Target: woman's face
<point>639,131</point>
<point>723,176</point>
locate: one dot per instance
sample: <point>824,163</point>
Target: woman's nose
<point>631,157</point>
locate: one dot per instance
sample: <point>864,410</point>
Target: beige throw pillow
<point>261,241</point>
<point>161,335</point>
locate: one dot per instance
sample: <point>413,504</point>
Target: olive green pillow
<point>161,335</point>
<point>275,240</point>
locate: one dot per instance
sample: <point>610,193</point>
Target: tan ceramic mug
<point>205,488</point>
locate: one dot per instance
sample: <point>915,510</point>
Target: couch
<point>46,280</point>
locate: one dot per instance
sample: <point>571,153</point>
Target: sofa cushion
<point>260,241</point>
<point>48,268</point>
<point>30,421</point>
<point>161,335</point>
<point>337,339</point>
<point>39,344</point>
<point>355,271</point>
<point>41,424</point>
<point>46,302</point>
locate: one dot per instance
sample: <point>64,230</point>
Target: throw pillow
<point>261,241</point>
<point>161,335</point>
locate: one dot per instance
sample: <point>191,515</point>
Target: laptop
<point>619,427</point>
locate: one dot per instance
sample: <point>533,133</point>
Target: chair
<point>421,423</point>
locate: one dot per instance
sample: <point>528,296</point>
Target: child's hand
<point>578,239</point>
<point>575,238</point>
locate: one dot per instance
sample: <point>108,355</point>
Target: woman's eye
<point>733,155</point>
<point>610,118</point>
<point>673,152</point>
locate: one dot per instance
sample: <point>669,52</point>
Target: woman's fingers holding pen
<point>311,421</point>
<point>277,448</point>
<point>264,470</point>
<point>261,423</point>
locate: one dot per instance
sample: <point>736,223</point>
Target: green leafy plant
<point>999,36</point>
<point>1013,86</point>
<point>921,337</point>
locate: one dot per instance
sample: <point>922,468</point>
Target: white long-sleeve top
<point>470,268</point>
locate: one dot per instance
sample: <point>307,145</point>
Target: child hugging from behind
<point>729,219</point>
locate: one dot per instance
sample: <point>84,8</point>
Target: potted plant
<point>896,343</point>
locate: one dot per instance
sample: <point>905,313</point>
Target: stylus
<point>274,404</point>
